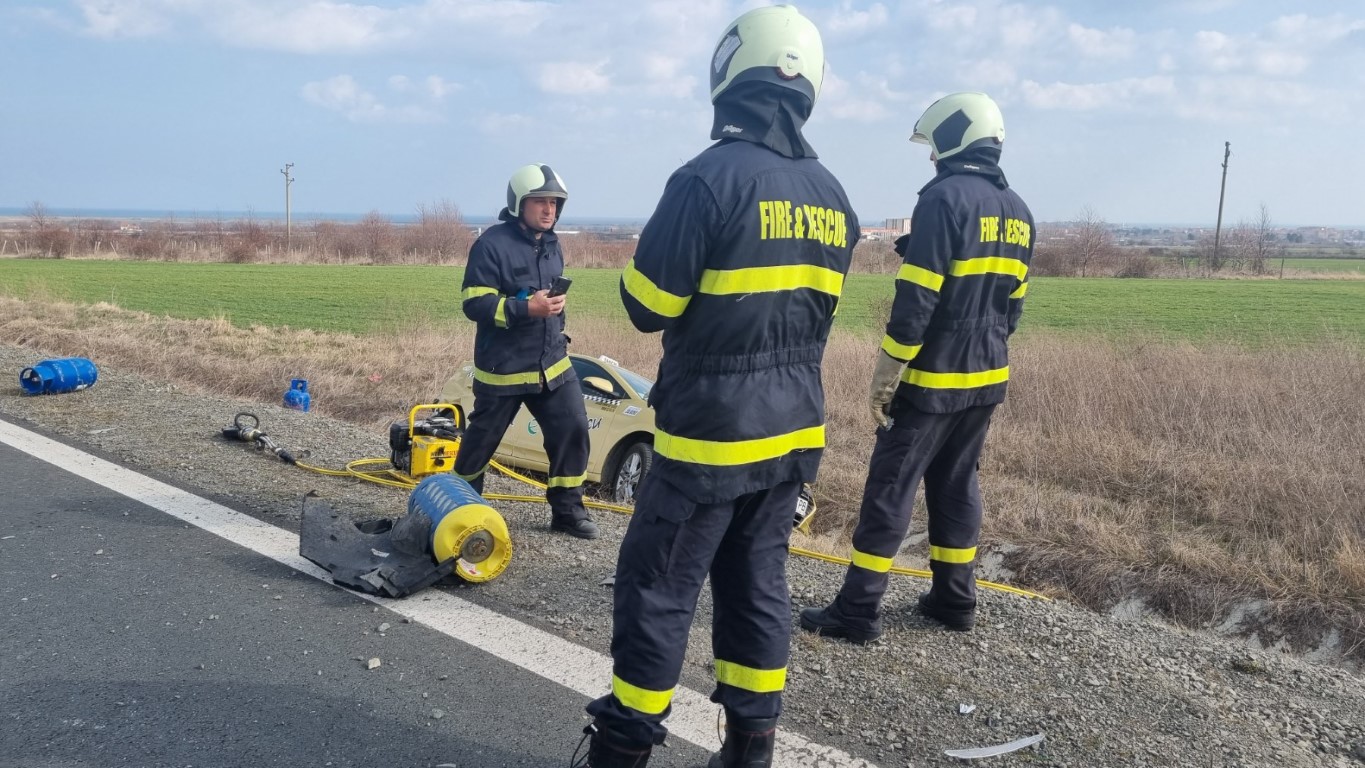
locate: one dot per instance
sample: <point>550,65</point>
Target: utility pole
<point>1218,229</point>
<point>290,180</point>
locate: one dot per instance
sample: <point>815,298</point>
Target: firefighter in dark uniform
<point>942,370</point>
<point>741,267</point>
<point>520,350</point>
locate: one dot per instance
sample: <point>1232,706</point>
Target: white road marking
<point>551,657</point>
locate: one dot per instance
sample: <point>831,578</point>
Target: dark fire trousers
<point>943,449</point>
<point>670,546</point>
<point>562,420</point>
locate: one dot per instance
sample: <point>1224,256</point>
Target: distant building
<point>899,226</point>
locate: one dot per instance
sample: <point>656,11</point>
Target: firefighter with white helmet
<point>942,370</point>
<point>520,350</point>
<point>741,268</point>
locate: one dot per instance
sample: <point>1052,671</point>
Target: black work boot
<point>583,528</point>
<point>748,744</point>
<point>607,750</point>
<point>956,619</point>
<point>832,622</point>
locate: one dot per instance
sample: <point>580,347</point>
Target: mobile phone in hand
<point>560,286</point>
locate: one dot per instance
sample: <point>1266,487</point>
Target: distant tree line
<point>1086,247</point>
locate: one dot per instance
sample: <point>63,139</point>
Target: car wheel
<point>630,470</point>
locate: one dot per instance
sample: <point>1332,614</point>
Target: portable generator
<point>426,446</point>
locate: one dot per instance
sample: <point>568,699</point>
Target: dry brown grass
<point>1192,477</point>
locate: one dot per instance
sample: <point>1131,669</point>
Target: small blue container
<point>65,374</point>
<point>297,397</point>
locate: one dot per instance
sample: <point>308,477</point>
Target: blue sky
<point>1121,108</point>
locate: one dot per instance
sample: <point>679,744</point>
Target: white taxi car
<point>620,425</point>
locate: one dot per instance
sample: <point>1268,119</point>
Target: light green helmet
<point>957,121</point>
<point>773,45</point>
<point>535,180</point>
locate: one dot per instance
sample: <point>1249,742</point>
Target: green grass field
<point>369,299</point>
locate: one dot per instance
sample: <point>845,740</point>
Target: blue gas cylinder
<point>297,396</point>
<point>65,374</point>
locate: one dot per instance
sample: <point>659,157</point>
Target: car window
<point>640,384</point>
<point>585,368</point>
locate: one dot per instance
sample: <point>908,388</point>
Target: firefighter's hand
<point>885,379</point>
<point>542,304</point>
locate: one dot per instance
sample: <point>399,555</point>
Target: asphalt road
<point>131,638</point>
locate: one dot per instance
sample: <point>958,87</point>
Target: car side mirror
<point>601,386</point>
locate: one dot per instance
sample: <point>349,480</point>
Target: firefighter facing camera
<point>520,350</point>
<point>740,267</point>
<point>941,371</point>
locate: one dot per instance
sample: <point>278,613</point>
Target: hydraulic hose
<point>381,471</point>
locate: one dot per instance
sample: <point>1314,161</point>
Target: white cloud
<point>845,21</point>
<point>949,16</point>
<point>123,18</point>
<point>317,26</point>
<point>840,99</point>
<point>1229,100</point>
<point>1121,95</point>
<point>663,76</point>
<point>343,94</point>
<point>1218,51</point>
<point>1280,63</point>
<point>573,78</point>
<point>438,87</point>
<point>990,74</point>
<point>1097,43</point>
<point>503,123</point>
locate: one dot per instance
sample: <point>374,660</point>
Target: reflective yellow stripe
<point>931,380</point>
<point>750,679</point>
<point>528,377</point>
<point>950,555</point>
<point>731,453</point>
<point>558,368</point>
<point>991,265</point>
<point>1020,291</point>
<point>568,482</point>
<point>768,279</point>
<point>475,291</point>
<point>500,315</point>
<point>641,699</point>
<point>473,477</point>
<point>905,352</point>
<point>656,300</point>
<point>871,562</point>
<point>920,276</point>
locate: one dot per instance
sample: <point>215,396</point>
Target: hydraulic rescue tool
<point>252,433</point>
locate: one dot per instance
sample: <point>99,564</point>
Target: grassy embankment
<point>1192,442</point>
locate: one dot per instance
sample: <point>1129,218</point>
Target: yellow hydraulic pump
<point>427,446</point>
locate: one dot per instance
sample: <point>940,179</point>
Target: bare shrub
<point>598,251</point>
<point>246,240</point>
<point>876,257</point>
<point>1092,248</point>
<point>49,236</point>
<point>1254,244</point>
<point>439,235</point>
<point>154,243</point>
<point>1132,263</point>
<point>1051,260</point>
<point>374,237</point>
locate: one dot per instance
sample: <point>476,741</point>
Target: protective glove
<point>885,379</point>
